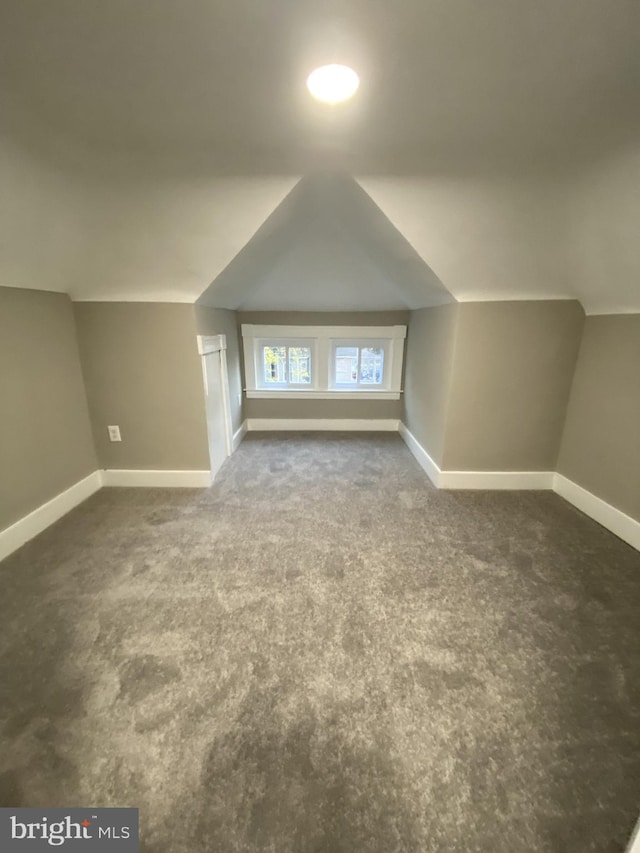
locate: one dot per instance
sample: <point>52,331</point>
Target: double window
<point>323,361</point>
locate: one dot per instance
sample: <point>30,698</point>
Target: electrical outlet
<point>114,433</point>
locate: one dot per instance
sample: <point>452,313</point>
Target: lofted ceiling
<point>445,83</point>
<point>174,129</point>
<point>327,247</point>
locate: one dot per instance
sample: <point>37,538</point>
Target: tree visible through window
<point>284,365</point>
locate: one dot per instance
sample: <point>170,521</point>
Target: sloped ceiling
<point>143,144</point>
<point>327,246</point>
<point>164,240</point>
<point>487,239</point>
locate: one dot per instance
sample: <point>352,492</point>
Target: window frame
<point>360,343</point>
<point>323,341</point>
<point>260,382</point>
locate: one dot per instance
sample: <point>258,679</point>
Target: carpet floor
<point>323,653</point>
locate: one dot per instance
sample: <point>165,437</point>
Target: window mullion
<point>324,376</point>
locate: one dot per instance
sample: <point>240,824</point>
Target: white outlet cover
<point>114,433</point>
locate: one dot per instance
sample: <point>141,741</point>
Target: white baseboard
<point>625,527</point>
<point>13,537</point>
<point>322,424</point>
<point>31,525</point>
<point>238,435</point>
<point>622,525</point>
<point>422,457</point>
<point>608,516</point>
<point>163,479</point>
<point>512,480</point>
<point>495,480</point>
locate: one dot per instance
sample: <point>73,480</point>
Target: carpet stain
<point>140,676</point>
<point>158,518</point>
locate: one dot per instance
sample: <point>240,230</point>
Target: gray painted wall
<point>357,409</point>
<point>219,321</point>
<point>601,441</point>
<point>428,366</point>
<point>365,409</point>
<point>45,436</point>
<point>143,372</point>
<point>512,371</point>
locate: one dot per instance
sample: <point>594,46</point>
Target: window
<point>323,362</point>
<point>358,366</point>
<point>286,365</point>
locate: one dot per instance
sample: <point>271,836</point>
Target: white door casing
<point>213,349</point>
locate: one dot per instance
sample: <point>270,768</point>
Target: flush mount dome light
<point>332,84</point>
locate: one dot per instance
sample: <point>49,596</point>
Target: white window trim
<point>323,340</point>
<point>260,384</point>
<point>358,387</point>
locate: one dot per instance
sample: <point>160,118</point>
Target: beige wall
<point>142,372</point>
<point>45,435</point>
<point>601,441</point>
<point>512,371</point>
<point>429,361</point>
<point>219,321</point>
<point>357,409</point>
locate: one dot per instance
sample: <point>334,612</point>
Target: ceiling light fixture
<point>332,84</point>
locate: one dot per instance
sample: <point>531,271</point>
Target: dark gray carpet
<point>323,653</point>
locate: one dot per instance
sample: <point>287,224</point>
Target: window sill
<point>281,394</point>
